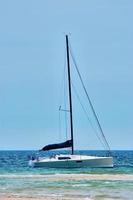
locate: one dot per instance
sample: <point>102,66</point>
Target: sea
<point>17,178</point>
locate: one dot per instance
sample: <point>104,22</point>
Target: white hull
<point>72,161</point>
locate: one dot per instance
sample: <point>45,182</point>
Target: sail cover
<point>66,144</point>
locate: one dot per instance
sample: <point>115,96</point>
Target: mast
<point>70,96</point>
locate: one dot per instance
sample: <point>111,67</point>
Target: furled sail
<point>62,145</point>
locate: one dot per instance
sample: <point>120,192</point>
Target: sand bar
<point>64,177</point>
<point>47,198</point>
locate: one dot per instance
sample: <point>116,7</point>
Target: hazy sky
<point>32,53</point>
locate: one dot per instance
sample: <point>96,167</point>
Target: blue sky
<point>32,46</point>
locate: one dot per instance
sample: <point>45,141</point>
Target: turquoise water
<point>17,178</point>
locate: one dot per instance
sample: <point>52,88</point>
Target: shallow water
<point>17,178</point>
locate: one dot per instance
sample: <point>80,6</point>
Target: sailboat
<point>71,160</point>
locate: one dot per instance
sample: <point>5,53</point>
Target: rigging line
<point>97,120</point>
<point>63,78</point>
<point>100,128</point>
<point>64,110</point>
<point>63,96</point>
<point>95,131</point>
<point>66,121</point>
<point>65,101</point>
<point>59,124</point>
